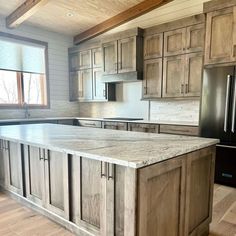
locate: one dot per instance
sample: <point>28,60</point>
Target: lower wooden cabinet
<point>3,160</point>
<point>90,123</point>
<point>46,174</point>
<point>141,127</point>
<point>98,196</point>
<point>115,125</point>
<point>179,129</point>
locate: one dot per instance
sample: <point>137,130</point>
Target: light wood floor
<point>17,220</point>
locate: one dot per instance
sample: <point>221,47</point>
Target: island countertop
<point>131,149</point>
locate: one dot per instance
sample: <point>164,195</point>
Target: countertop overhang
<point>131,149</point>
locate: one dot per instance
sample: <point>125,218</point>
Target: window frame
<point>20,76</point>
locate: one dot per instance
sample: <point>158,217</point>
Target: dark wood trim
<point>23,12</point>
<point>120,19</point>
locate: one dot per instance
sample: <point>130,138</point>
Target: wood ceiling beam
<point>119,19</point>
<point>23,12</point>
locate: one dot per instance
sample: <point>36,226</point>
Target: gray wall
<point>129,105</point>
<point>58,73</point>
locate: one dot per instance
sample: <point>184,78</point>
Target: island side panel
<point>199,191</point>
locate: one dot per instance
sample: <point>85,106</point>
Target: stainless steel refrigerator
<point>218,119</point>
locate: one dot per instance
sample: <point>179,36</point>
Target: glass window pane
<point>8,87</point>
<point>34,87</point>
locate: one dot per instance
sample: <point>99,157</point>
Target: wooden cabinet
<point>97,57</point>
<point>185,40</point>
<point>85,61</point>
<point>99,88</point>
<point>93,200</point>
<point>110,57</point>
<point>47,182</point>
<point>173,76</point>
<point>152,82</point>
<point>163,184</point>
<point>175,42</point>
<point>66,122</point>
<point>122,55</point>
<point>74,61</point>
<point>153,46</point>
<point>90,123</point>
<point>220,36</point>
<point>179,129</point>
<point>85,84</point>
<point>3,163</point>
<point>146,128</point>
<point>182,75</point>
<point>115,125</point>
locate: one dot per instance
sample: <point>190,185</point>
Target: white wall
<point>58,73</point>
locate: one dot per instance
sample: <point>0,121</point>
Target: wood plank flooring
<point>17,220</point>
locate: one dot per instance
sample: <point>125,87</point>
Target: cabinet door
<point>73,86</point>
<point>99,88</point>
<point>199,189</point>
<point>173,76</point>
<point>14,165</point>
<point>195,38</point>
<point>85,85</point>
<point>174,42</point>
<point>97,57</point>
<point>219,36</point>
<point>3,159</point>
<point>161,200</point>
<point>146,128</point>
<point>193,74</point>
<point>152,78</point>
<point>115,125</point>
<point>127,55</point>
<point>85,60</point>
<point>34,174</point>
<point>74,61</point>
<point>92,196</point>
<point>56,182</point>
<point>153,46</point>
<point>110,60</point>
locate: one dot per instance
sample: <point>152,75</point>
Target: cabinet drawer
<point>147,128</point>
<point>115,125</point>
<point>178,129</point>
<point>90,123</point>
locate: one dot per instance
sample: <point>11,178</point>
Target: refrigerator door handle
<point>227,103</point>
<point>234,109</point>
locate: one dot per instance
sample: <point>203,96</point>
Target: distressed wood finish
<point>2,163</point>
<point>97,57</point>
<point>152,83</point>
<point>175,42</point>
<point>173,76</point>
<point>34,174</point>
<point>146,128</point>
<point>73,86</point>
<point>90,123</point>
<point>56,183</point>
<point>110,57</point>
<point>161,198</point>
<point>200,178</point>
<point>14,167</point>
<point>195,38</point>
<point>115,125</point>
<point>85,59</point>
<point>24,11</point>
<point>216,48</point>
<point>179,129</point>
<point>193,74</point>
<point>153,46</point>
<point>119,19</point>
<point>74,61</point>
<point>85,81</point>
<point>99,88</point>
<point>127,55</point>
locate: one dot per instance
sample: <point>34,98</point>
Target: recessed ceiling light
<point>70,14</point>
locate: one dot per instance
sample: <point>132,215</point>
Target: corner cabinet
<point>221,36</point>
<point>47,182</point>
<point>124,54</point>
<point>85,84</point>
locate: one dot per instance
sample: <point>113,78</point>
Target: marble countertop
<point>167,122</point>
<point>132,149</point>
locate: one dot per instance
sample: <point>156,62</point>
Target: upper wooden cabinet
<point>85,61</point>
<point>185,40</point>
<point>153,46</point>
<point>182,75</point>
<point>152,78</point>
<point>123,54</point>
<point>221,36</point>
<point>97,57</point>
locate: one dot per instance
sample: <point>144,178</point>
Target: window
<point>23,77</point>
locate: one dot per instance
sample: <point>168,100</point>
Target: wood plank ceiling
<point>72,17</point>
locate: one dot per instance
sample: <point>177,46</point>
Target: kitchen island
<point>105,182</point>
